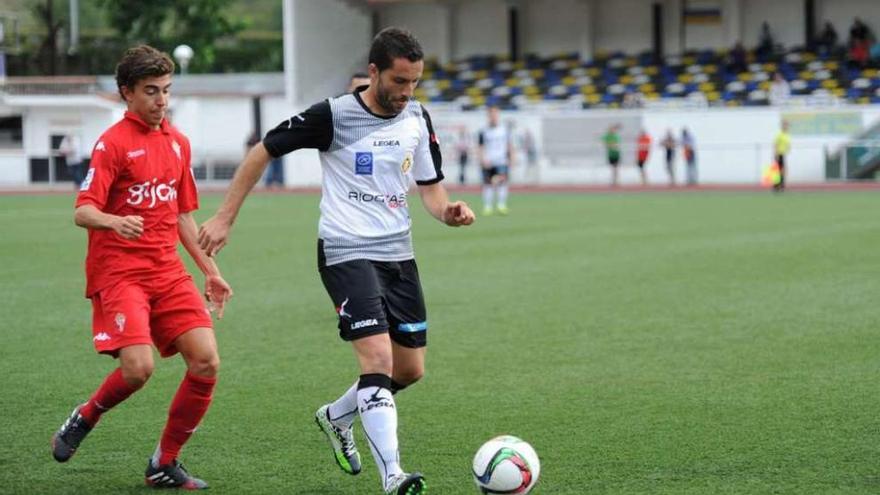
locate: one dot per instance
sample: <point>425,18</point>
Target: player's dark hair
<point>141,62</point>
<point>393,43</point>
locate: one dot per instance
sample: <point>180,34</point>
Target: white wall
<point>623,25</point>
<point>551,27</point>
<point>479,28</point>
<point>429,22</point>
<point>786,19</point>
<point>332,40</point>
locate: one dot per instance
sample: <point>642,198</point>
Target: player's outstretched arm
<point>89,217</point>
<point>436,201</point>
<point>214,233</point>
<point>217,291</point>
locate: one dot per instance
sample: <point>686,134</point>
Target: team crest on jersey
<point>407,163</point>
<point>363,163</point>
<point>100,146</point>
<point>120,322</point>
<point>176,148</point>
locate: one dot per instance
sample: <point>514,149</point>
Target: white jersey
<point>368,163</point>
<point>496,144</point>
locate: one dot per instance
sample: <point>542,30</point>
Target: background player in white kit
<point>496,157</point>
<point>372,143</point>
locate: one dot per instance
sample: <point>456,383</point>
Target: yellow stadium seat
<point>829,83</point>
<point>569,80</point>
<point>647,88</point>
<point>588,89</point>
<point>707,87</point>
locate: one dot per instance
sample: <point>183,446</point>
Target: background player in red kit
<point>136,202</point>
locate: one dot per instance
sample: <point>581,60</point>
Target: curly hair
<point>141,62</point>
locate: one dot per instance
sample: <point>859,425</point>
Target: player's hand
<point>217,292</point>
<point>129,227</point>
<point>457,214</point>
<point>213,235</point>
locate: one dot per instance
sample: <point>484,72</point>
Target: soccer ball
<point>506,464</point>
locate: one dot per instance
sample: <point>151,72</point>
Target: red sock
<point>113,391</point>
<point>189,405</point>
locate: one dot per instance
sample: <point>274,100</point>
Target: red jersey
<point>137,170</point>
<point>644,146</point>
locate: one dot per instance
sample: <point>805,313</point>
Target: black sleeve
<point>434,148</point>
<point>482,141</point>
<point>312,128</point>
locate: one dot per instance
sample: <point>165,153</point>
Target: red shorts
<point>155,311</point>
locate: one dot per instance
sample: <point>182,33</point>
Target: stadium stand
<point>615,80</point>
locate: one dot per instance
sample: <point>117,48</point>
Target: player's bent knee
<point>207,366</point>
<point>409,376</point>
<point>136,374</point>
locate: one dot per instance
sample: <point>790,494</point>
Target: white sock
<point>344,410</point>
<point>488,197</point>
<point>502,195</point>
<point>379,418</point>
<point>156,456</point>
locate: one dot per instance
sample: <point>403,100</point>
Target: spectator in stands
<point>781,147</point>
<point>780,91</point>
<point>633,99</point>
<point>643,149</point>
<point>358,79</point>
<point>766,42</point>
<point>826,42</point>
<point>688,146</point>
<point>859,54</point>
<point>71,149</point>
<point>737,58</point>
<point>859,31</point>
<point>668,145</point>
<point>875,54</point>
<point>612,149</point>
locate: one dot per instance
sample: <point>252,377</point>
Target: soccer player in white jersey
<point>496,157</point>
<point>372,143</point>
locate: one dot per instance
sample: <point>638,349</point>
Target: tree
<point>168,23</point>
<point>48,51</point>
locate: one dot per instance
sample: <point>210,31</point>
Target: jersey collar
<point>357,96</point>
<point>134,118</point>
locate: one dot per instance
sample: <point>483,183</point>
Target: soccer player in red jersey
<point>136,203</point>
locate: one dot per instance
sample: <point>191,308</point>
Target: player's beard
<point>387,103</point>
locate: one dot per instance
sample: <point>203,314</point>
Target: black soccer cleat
<point>407,484</point>
<point>67,439</point>
<point>172,475</point>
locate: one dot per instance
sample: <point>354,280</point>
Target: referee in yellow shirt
<point>781,145</point>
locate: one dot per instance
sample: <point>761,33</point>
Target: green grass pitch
<point>658,343</point>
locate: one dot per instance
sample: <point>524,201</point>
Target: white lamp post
<point>183,54</point>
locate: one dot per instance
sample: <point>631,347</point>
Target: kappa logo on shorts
<point>101,337</point>
<point>363,163</point>
<point>120,322</point>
